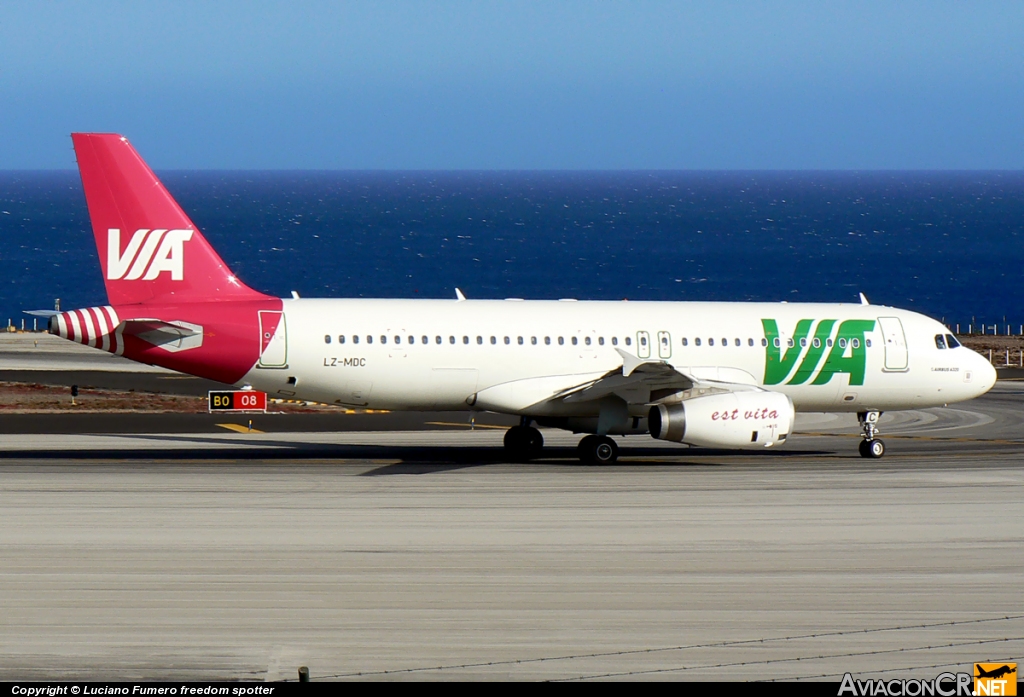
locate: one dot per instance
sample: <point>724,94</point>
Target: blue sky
<point>518,85</point>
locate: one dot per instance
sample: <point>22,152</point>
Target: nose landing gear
<point>871,446</point>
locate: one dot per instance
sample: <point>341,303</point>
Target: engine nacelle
<point>728,420</point>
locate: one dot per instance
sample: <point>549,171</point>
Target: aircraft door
<point>643,345</point>
<point>273,340</point>
<point>895,343</point>
<point>664,345</point>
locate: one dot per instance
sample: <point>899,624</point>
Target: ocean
<point>948,244</point>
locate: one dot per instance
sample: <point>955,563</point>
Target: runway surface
<point>224,555</point>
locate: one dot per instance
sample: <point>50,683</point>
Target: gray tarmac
<point>368,552</point>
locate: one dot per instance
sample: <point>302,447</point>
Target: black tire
<point>872,449</point>
<point>598,450</point>
<point>523,443</point>
<point>585,450</point>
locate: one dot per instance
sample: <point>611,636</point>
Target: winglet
<point>459,297</point>
<point>863,299</point>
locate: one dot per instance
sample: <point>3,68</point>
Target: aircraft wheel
<point>873,449</point>
<point>523,443</point>
<point>598,450</point>
<point>584,449</point>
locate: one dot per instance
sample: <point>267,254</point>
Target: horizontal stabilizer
<point>136,327</point>
<point>170,336</point>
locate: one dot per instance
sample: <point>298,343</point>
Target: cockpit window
<point>939,341</point>
<point>951,341</point>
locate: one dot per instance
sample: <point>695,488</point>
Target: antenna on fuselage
<point>459,297</point>
<point>863,299</point>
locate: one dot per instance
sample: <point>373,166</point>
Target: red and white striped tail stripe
<point>93,326</point>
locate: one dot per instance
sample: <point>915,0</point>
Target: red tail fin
<point>149,249</point>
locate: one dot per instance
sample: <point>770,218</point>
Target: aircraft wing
<point>636,381</point>
<point>640,377</point>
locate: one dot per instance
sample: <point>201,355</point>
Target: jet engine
<point>726,420</point>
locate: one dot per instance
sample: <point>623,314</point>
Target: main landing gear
<point>523,442</point>
<point>597,450</point>
<point>871,446</point>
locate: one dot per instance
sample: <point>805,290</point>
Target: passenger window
<point>341,339</point>
<point>600,341</point>
<point>816,343</point>
<point>855,343</point>
<point>803,342</point>
<point>685,342</point>
<point>725,342</point>
<point>586,341</point>
<point>507,341</point>
<point>493,341</point>
<point>738,342</point>
<point>696,341</point>
<point>615,341</point>
<point>629,341</point>
<point>575,341</point>
<point>369,338</point>
<point>519,340</point>
<point>383,339</point>
<point>561,341</point>
<point>355,338</point>
<point>480,340</point>
<point>867,342</point>
<point>533,340</point>
<point>437,339</point>
<point>711,342</point>
<point>547,341</point>
<point>398,339</point>
<point>750,342</point>
<point>764,342</point>
<point>842,343</point>
<point>790,343</point>
<point>951,341</point>
<point>327,339</point>
<point>828,342</point>
<point>940,341</point>
<point>465,340</point>
<point>778,344</point>
<point>643,341</point>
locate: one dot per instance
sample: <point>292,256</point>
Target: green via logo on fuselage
<point>847,351</point>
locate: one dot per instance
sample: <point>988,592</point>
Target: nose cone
<point>984,374</point>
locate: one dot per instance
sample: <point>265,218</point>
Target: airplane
<point>710,374</point>
<point>996,672</point>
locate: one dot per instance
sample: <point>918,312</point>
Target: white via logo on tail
<point>150,252</point>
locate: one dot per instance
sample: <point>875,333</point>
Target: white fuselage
<point>511,355</point>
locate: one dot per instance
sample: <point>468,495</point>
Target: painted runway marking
<point>239,428</point>
<point>449,423</point>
